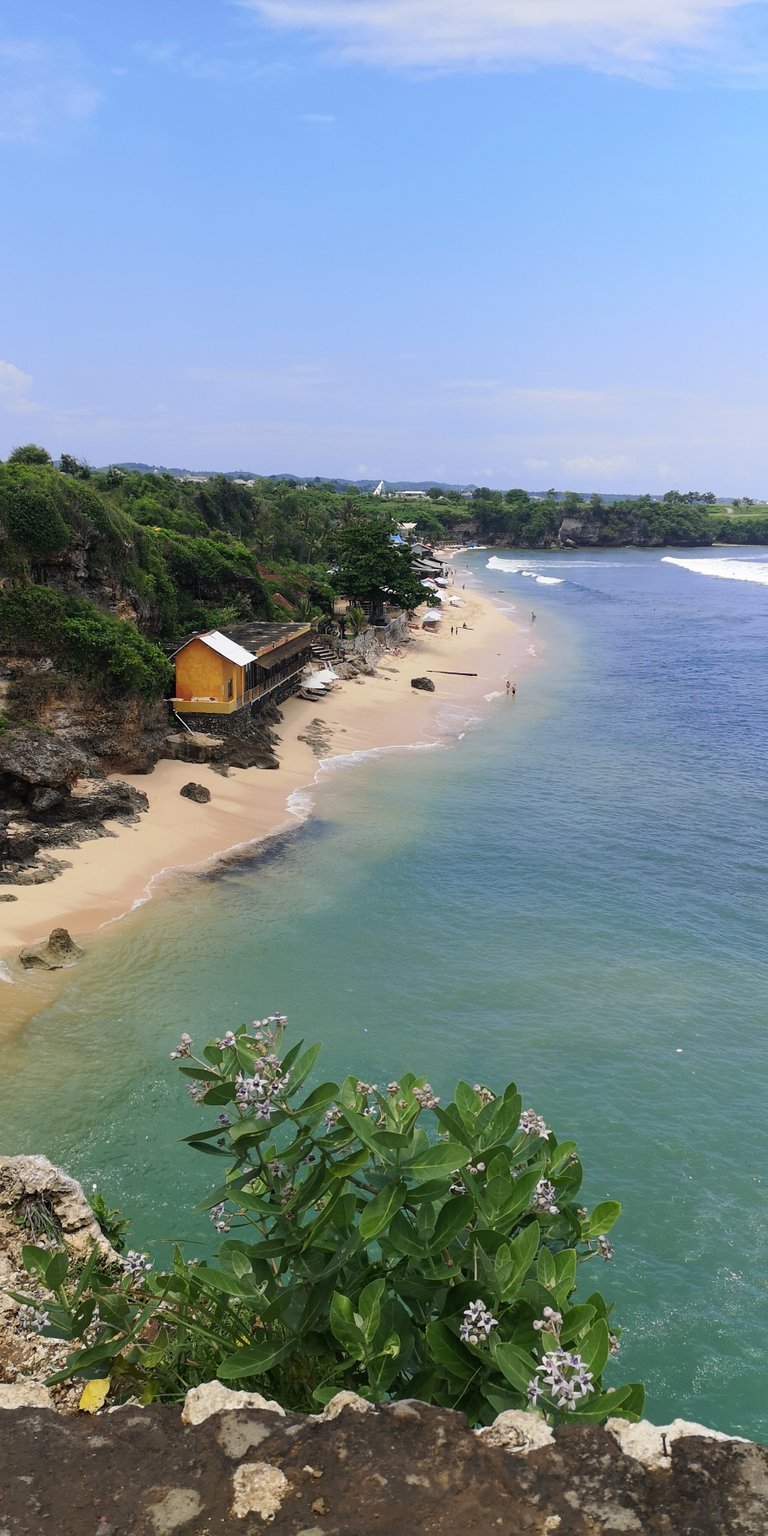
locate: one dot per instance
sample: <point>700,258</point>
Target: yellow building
<point>225,670</point>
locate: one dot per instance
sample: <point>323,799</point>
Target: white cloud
<point>41,88</point>
<point>564,398</point>
<point>14,385</point>
<point>233,63</point>
<point>626,36</point>
<point>586,464</point>
<point>536,463</point>
<point>480,384</point>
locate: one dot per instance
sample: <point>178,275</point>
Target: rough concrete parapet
<point>404,1468</point>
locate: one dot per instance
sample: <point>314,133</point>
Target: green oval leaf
<point>379,1212</point>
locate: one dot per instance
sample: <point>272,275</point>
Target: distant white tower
<point>379,491</point>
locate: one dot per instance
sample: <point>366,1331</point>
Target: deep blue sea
<point>573,896</point>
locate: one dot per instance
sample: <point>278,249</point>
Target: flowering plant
<point>369,1239</point>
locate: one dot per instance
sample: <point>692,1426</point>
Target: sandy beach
<point>108,877</point>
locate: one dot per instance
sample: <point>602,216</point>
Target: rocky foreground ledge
<point>225,1466</point>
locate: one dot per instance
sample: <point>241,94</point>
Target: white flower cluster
<point>183,1048</point>
<point>544,1197</point>
<point>549,1322</point>
<point>534,1125</point>
<point>136,1264</point>
<point>562,1377</point>
<point>260,1092</point>
<point>32,1319</point>
<point>484,1094</point>
<point>478,1323</point>
<point>219,1218</point>
<point>425,1097</point>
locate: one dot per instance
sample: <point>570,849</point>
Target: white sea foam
<point>5,974</point>
<point>520,568</point>
<point>300,803</point>
<point>489,697</point>
<point>725,569</point>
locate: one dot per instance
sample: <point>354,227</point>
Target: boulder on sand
<point>58,950</point>
<point>424,683</point>
<point>196,792</point>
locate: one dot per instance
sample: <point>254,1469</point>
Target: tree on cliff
<point>371,569</point>
<point>29,453</point>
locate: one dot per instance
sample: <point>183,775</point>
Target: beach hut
<point>221,671</point>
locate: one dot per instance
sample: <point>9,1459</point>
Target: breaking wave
<point>725,569</point>
<point>518,568</point>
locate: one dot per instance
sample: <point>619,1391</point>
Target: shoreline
<point>111,877</point>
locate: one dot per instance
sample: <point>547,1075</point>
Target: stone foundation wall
<point>232,1462</point>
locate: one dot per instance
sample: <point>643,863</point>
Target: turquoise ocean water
<point>572,895</point>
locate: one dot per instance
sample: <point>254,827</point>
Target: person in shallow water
<point>533,617</point>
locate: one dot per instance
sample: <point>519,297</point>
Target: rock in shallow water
<point>58,950</point>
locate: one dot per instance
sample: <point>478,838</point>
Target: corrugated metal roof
<point>227,648</point>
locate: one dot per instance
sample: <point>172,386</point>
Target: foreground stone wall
<point>353,1470</point>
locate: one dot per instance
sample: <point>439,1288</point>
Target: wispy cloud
<point>587,464</point>
<point>292,379</point>
<point>471,384</point>
<point>233,63</point>
<point>42,87</point>
<point>624,36</point>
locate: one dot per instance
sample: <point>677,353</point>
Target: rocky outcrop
<point>197,792</point>
<point>113,732</point>
<point>46,806</point>
<point>318,736</point>
<point>29,1181</point>
<point>425,684</point>
<point>32,762</point>
<point>55,952</point>
<point>194,747</point>
<point>241,740</point>
<point>245,1467</point>
<point>42,1205</point>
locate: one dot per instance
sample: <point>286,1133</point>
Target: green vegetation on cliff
<point>101,570</point>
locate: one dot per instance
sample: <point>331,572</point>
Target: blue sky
<point>519,242</point>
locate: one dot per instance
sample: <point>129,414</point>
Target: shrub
<point>82,639</point>
<point>370,1240</point>
<point>32,516</point>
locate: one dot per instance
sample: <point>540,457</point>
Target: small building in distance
<point>241,667</point>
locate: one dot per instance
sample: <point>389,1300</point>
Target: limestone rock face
<point>424,683</point>
<point>196,792</point>
<point>213,1397</point>
<point>24,1179</point>
<point>25,1394</point>
<point>57,951</point>
<point>194,747</point>
<point>652,1444</point>
<point>35,757</point>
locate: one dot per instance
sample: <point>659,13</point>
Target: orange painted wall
<point>201,674</point>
